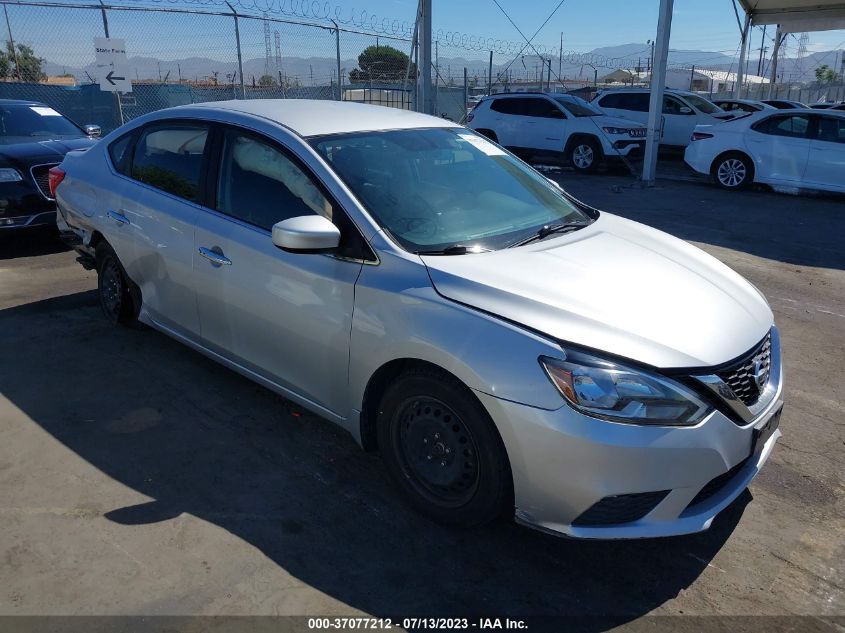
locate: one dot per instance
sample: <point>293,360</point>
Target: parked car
<point>798,148</point>
<point>415,283</point>
<point>682,111</point>
<point>33,138</point>
<point>785,104</point>
<point>742,105</point>
<point>832,105</point>
<point>556,127</point>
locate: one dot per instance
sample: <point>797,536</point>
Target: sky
<point>706,25</point>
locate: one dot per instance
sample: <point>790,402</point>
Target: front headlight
<point>7,174</point>
<point>616,130</point>
<point>610,391</point>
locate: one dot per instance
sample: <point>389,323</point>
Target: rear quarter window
<point>119,153</point>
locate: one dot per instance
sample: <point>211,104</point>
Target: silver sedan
<point>506,348</point>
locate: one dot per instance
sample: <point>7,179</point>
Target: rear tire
<point>442,450</point>
<point>584,155</point>
<point>114,288</point>
<point>733,171</point>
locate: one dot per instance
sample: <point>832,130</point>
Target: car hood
<point>41,151</point>
<point>615,121</point>
<point>616,286</point>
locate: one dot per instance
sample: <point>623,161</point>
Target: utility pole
<point>560,58</point>
<point>238,45</point>
<point>779,37</point>
<point>691,77</point>
<point>425,56</point>
<point>549,77</point>
<point>762,51</point>
<point>490,74</point>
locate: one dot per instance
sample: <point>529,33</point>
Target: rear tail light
<point>55,176</point>
<point>700,136</point>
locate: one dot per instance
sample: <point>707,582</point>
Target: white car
<point>552,126</point>
<point>794,148</point>
<point>738,106</point>
<point>682,111</point>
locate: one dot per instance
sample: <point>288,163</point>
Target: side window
<point>794,126</point>
<point>634,101</point>
<point>610,101</point>
<point>544,109</point>
<point>673,106</point>
<point>831,129</point>
<point>119,153</point>
<point>259,185</point>
<point>169,157</point>
<point>512,105</point>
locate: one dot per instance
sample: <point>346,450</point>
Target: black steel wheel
<point>117,300</point>
<point>442,449</point>
<point>436,450</point>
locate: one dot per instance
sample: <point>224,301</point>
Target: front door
<point>286,316</point>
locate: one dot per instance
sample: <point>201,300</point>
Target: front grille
<point>749,377</point>
<point>717,483</point>
<point>620,508</point>
<point>41,176</point>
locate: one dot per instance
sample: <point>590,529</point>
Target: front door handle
<point>214,257</point>
<point>118,217</point>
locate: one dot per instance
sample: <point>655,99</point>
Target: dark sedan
<point>33,138</point>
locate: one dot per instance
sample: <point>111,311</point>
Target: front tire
<point>733,171</point>
<point>585,155</point>
<point>442,450</point>
<point>114,288</point>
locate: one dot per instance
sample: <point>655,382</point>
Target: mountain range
<point>322,70</point>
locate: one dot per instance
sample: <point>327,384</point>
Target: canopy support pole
<point>658,84</point>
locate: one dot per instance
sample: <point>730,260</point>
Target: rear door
<point>285,316</point>
<point>780,147</point>
<point>529,122</point>
<point>826,161</point>
<point>159,205</point>
<point>679,120</point>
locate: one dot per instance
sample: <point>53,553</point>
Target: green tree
<point>825,74</point>
<point>267,81</point>
<point>383,64</point>
<point>22,63</point>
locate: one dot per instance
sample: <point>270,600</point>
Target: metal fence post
<point>466,94</point>
<point>337,55</point>
<point>106,31</point>
<point>238,44</point>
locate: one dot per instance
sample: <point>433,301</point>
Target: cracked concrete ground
<point>138,477</point>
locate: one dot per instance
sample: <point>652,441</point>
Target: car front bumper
<point>565,463</point>
<point>41,218</point>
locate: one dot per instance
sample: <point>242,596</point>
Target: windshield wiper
<point>549,229</point>
<point>455,249</point>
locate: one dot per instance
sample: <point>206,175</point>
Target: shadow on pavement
<point>30,243</point>
<point>200,439</point>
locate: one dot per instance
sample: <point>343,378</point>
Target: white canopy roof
<point>797,16</point>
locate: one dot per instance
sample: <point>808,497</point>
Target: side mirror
<point>685,110</point>
<point>93,131</point>
<point>306,233</point>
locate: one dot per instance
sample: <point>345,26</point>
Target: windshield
<point>577,106</point>
<point>441,187</point>
<point>25,123</point>
<point>703,104</point>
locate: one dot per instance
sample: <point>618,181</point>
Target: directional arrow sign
<point>112,66</point>
<point>112,79</point>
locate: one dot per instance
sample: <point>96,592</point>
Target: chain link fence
<point>214,50</point>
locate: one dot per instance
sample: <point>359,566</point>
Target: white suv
<point>682,111</point>
<point>551,126</point>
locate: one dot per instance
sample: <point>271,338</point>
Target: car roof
<point>316,117</point>
<point>666,90</point>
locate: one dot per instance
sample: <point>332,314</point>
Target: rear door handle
<point>215,258</point>
<point>118,217</point>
